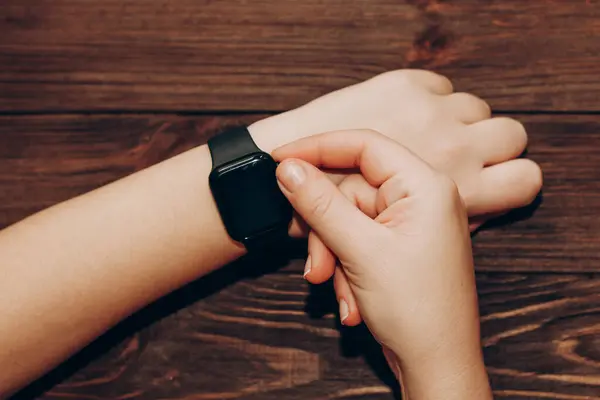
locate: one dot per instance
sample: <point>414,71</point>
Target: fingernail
<point>344,310</point>
<point>307,267</point>
<point>291,175</point>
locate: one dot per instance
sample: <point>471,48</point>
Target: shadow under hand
<point>354,341</point>
<point>358,342</point>
<point>519,214</point>
<point>246,267</point>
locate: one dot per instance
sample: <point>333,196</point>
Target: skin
<point>72,271</point>
<point>400,234</point>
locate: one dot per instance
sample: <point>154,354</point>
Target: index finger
<point>378,157</point>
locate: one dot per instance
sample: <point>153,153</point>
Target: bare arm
<point>74,270</point>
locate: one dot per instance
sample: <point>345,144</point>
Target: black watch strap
<point>266,240</point>
<point>230,145</point>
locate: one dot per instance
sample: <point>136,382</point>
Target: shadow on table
<point>516,215</point>
<point>355,341</point>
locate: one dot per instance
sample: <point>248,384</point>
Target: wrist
<point>273,132</point>
<point>279,130</point>
<point>443,376</point>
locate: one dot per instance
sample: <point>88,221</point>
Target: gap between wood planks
<point>222,113</point>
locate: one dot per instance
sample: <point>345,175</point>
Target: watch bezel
<point>230,167</point>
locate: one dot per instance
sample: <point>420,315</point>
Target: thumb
<point>340,225</point>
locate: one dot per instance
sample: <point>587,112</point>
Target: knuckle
<point>447,187</point>
<point>397,78</point>
<point>402,79</point>
<point>352,181</point>
<point>447,191</point>
<point>368,135</point>
<point>350,185</point>
<point>320,204</point>
<point>447,82</point>
<point>473,101</point>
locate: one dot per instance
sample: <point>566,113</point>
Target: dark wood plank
<point>270,338</point>
<point>47,159</point>
<point>277,54</point>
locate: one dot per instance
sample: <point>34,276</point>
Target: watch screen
<point>248,197</point>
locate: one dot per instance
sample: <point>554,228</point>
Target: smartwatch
<point>243,183</point>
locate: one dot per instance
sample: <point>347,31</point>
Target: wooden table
<point>91,91</point>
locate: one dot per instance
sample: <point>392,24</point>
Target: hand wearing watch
<point>244,186</point>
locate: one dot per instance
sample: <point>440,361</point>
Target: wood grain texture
<point>74,72</point>
<point>271,338</point>
<point>541,335</point>
<point>47,159</point>
<point>276,54</point>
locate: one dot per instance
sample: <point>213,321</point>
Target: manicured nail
<point>291,175</point>
<point>307,267</point>
<point>344,310</point>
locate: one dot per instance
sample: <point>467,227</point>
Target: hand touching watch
<point>399,230</point>
<point>452,132</point>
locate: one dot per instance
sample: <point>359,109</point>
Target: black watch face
<point>248,197</point>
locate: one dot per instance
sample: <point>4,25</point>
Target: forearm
<point>72,271</point>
